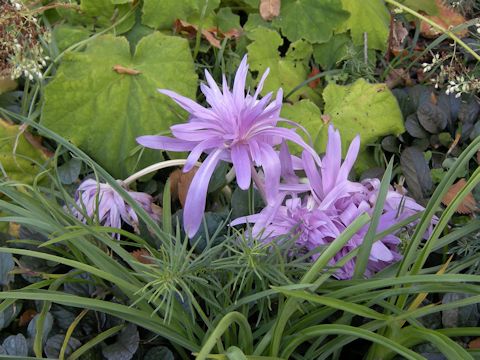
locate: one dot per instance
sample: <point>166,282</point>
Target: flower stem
<point>260,185</point>
<point>152,168</point>
<point>436,26</point>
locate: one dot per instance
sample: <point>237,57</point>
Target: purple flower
<point>332,203</point>
<point>112,210</point>
<point>237,127</point>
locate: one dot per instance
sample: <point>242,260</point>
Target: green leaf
<point>16,345</point>
<point>429,6</point>
<point>333,51</point>
<point>105,14</point>
<point>311,20</point>
<point>6,265</point>
<point>368,110</point>
<point>67,35</point>
<point>371,17</point>
<point>285,72</point>
<point>308,115</point>
<point>19,159</point>
<point>234,353</point>
<point>163,16</point>
<point>226,20</point>
<point>107,110</point>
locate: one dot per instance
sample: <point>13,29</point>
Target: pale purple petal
<point>165,143</point>
<point>241,162</point>
<point>197,194</point>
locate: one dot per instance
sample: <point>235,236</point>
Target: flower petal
<point>165,143</point>
<point>272,168</point>
<point>197,194</point>
<point>242,164</point>
<point>349,161</point>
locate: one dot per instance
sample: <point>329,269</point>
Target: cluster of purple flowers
<point>241,129</point>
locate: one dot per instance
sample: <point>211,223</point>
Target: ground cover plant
<point>239,179</point>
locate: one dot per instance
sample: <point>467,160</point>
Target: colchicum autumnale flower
<point>112,210</point>
<point>331,205</point>
<point>238,128</point>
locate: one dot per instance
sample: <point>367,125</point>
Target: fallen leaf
<point>14,229</point>
<point>468,204</point>
<point>142,256</point>
<point>124,70</point>
<point>399,33</point>
<point>26,317</point>
<point>269,9</point>
<point>37,142</point>
<point>474,344</point>
<point>447,18</point>
<point>212,35</point>
<point>314,83</point>
<point>179,184</point>
<point>398,77</point>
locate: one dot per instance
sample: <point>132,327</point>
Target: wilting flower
<point>99,199</point>
<point>237,127</point>
<point>330,206</point>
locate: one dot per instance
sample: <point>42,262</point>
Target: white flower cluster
<point>461,84</point>
<point>17,4</point>
<point>21,43</point>
<point>429,66</point>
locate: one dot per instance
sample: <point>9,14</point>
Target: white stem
<point>230,175</point>
<point>154,167</point>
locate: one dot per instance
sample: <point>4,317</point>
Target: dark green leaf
<point>391,144</point>
<point>54,344</point>
<point>465,316</point>
<point>80,284</point>
<point>213,222</point>
<point>217,181</point>
<point>6,265</point>
<point>47,326</point>
<point>243,201</point>
<point>413,127</point>
<point>69,171</point>
<point>432,117</point>
<point>417,173</point>
<point>16,345</point>
<point>7,315</point>
<point>126,345</point>
<point>159,352</point>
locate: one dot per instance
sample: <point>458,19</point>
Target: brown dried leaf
<point>269,9</point>
<point>37,142</point>
<point>468,204</point>
<point>447,18</point>
<point>191,30</point>
<point>314,83</point>
<point>399,33</point>
<point>474,344</point>
<point>26,317</point>
<point>179,184</point>
<point>124,70</point>
<point>142,256</point>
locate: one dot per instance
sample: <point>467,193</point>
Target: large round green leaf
<point>312,20</point>
<point>368,110</point>
<point>102,111</point>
